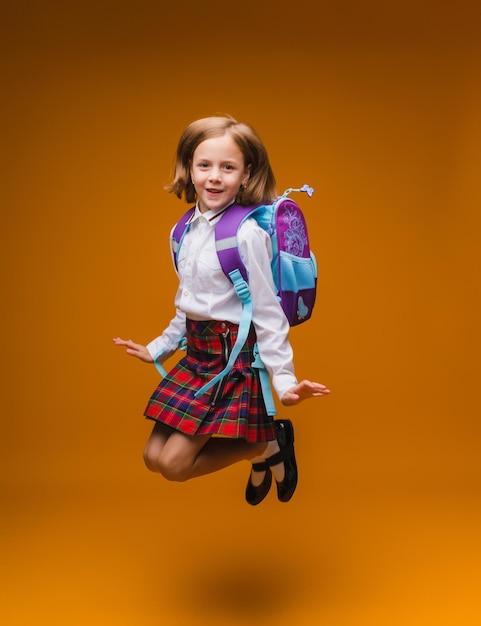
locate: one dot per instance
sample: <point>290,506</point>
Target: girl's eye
<point>203,164</point>
<point>229,167</point>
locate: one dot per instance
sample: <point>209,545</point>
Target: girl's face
<point>218,170</point>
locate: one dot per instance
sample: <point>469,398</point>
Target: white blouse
<point>205,293</point>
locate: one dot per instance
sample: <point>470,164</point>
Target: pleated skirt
<point>234,407</point>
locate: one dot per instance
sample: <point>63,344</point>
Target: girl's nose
<point>214,173</point>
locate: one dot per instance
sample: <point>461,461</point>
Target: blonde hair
<point>261,188</point>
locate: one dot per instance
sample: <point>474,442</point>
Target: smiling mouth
<point>214,190</point>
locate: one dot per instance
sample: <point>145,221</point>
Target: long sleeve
<point>167,343</point>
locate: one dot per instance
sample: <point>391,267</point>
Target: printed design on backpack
<point>302,309</point>
<point>295,237</point>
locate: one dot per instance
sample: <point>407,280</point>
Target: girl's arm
<point>167,343</point>
<point>272,327</point>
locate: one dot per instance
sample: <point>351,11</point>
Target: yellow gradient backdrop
<point>377,106</point>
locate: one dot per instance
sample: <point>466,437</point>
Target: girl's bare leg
<point>180,457</point>
<point>155,443</point>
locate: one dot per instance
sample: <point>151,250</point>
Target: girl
<point>221,161</point>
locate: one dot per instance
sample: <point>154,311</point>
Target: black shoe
<point>285,439</point>
<point>255,495</point>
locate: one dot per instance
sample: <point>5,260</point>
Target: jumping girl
<point>220,162</point>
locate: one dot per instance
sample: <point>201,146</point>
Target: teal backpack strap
<point>265,383</point>
<point>157,363</point>
<point>243,291</point>
<point>234,268</point>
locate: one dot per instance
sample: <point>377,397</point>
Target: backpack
<point>294,267</point>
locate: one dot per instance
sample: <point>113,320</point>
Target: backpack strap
<point>226,240</point>
<point>265,382</point>
<point>179,231</point>
<point>243,291</point>
<point>234,268</point>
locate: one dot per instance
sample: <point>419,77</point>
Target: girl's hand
<point>135,349</point>
<point>302,391</point>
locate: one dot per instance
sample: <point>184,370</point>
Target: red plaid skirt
<point>234,407</point>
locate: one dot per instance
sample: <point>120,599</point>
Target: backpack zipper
<point>225,357</point>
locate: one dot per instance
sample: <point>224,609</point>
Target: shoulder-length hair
<point>261,188</point>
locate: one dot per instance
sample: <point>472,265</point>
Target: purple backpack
<point>293,264</point>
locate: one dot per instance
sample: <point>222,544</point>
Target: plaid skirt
<point>234,407</point>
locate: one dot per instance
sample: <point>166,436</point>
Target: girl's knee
<point>175,458</point>
<point>173,469</point>
<point>151,461</point>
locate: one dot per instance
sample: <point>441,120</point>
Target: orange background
<point>377,106</point>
